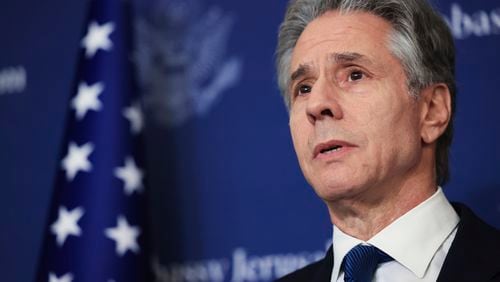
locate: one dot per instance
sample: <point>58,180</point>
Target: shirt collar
<point>420,232</point>
<point>342,244</point>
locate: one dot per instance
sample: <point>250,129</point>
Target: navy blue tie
<point>361,262</point>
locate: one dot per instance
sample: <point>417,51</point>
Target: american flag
<point>96,230</point>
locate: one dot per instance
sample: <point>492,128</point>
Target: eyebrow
<point>338,58</point>
<point>349,57</point>
<point>302,70</point>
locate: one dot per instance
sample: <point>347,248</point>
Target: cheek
<point>295,133</point>
<point>299,133</point>
<point>389,126</point>
<point>398,136</point>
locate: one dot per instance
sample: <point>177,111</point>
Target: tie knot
<point>361,261</point>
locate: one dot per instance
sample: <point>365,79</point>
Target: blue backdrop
<point>227,197</point>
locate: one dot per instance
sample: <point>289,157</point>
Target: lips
<point>331,147</point>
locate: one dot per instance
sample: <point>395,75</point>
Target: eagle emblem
<point>183,69</point>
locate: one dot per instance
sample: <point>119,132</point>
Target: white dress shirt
<point>418,241</point>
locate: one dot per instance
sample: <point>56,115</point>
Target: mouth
<point>331,147</point>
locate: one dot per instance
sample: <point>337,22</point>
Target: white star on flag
<point>87,99</point>
<point>134,115</point>
<point>67,224</point>
<point>131,176</point>
<point>124,235</point>
<point>77,159</point>
<point>97,37</point>
<point>68,277</point>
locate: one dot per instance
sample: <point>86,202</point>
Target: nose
<point>323,103</point>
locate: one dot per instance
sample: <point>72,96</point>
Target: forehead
<point>334,32</point>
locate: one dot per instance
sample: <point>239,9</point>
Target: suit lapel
<point>473,255</point>
<point>324,273</point>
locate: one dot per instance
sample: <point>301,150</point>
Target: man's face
<point>354,125</point>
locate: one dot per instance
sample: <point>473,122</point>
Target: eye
<point>356,75</point>
<point>303,89</point>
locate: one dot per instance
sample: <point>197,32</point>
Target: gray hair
<point>420,39</point>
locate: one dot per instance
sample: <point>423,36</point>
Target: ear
<point>436,111</point>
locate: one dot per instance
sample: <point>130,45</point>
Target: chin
<point>336,190</point>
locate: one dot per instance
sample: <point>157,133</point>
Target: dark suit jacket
<point>474,255</point>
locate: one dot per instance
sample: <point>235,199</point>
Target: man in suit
<point>370,90</point>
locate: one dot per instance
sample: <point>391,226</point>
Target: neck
<point>364,215</point>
